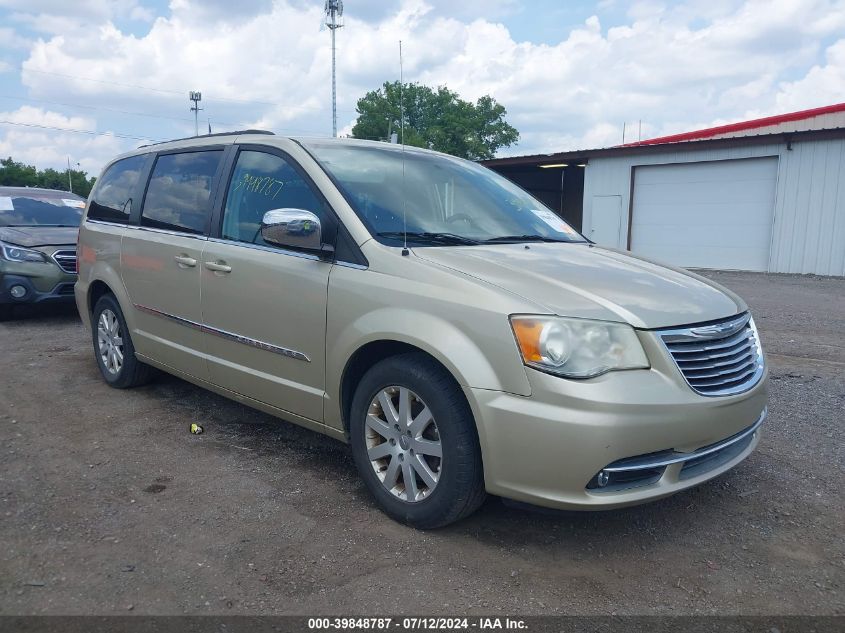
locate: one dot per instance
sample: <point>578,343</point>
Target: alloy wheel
<point>110,341</point>
<point>403,444</point>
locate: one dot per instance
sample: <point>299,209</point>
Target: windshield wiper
<point>507,239</point>
<point>429,237</point>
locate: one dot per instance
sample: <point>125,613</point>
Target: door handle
<point>218,267</point>
<point>185,262</point>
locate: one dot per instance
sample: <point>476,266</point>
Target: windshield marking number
<point>264,185</point>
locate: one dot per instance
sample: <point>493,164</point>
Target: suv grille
<point>717,359</point>
<point>66,260</point>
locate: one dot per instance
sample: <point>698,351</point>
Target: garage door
<point>705,215</point>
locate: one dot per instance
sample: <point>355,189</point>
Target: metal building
<point>761,195</point>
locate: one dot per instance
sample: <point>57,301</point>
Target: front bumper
<point>548,448</point>
<point>61,292</point>
<point>44,282</point>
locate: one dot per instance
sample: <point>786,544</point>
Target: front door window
<point>262,182</point>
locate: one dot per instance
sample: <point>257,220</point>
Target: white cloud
<point>821,85</point>
<point>82,9</point>
<point>142,14</point>
<point>76,16</point>
<point>28,115</point>
<point>12,40</point>
<point>675,66</point>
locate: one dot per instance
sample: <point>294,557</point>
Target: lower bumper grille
<point>643,470</point>
<point>64,290</point>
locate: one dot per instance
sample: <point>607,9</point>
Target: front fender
<point>472,339</point>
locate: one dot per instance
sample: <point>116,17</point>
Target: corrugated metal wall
<point>808,233</point>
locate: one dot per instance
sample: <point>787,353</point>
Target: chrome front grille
<point>66,260</point>
<point>717,359</point>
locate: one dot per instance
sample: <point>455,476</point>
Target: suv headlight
<point>17,254</point>
<point>577,348</point>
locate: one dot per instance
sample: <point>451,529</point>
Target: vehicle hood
<point>38,235</point>
<point>593,282</point>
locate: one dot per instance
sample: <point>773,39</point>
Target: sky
<point>84,80</point>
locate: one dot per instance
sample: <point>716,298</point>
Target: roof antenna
<point>405,251</point>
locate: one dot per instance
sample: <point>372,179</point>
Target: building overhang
<point>583,156</point>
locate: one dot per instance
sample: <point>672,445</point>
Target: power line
<point>101,81</point>
<point>236,126</point>
<point>165,91</point>
<point>111,134</point>
<point>114,110</point>
<point>76,131</point>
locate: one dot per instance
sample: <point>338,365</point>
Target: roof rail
<point>232,133</point>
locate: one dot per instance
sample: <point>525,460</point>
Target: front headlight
<point>577,348</point>
<point>14,253</point>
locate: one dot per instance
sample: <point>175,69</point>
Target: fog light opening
<point>17,291</point>
<point>603,478</point>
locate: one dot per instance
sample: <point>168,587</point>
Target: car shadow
<point>497,523</point>
<point>46,313</point>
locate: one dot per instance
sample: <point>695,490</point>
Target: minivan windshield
<point>445,200</point>
<point>40,209</point>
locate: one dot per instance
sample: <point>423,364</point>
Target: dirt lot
<point>109,505</point>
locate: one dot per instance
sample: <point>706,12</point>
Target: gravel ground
<point>108,504</point>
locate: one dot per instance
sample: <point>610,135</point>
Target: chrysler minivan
<point>459,335</point>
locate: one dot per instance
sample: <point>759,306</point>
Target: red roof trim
<point>742,125</point>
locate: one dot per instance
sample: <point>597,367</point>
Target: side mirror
<point>292,228</point>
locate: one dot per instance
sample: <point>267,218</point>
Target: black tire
<point>132,373</point>
<point>459,490</point>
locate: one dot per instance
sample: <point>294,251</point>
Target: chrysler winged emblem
<point>720,330</point>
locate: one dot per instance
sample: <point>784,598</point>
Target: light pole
<point>69,180</point>
<point>196,97</point>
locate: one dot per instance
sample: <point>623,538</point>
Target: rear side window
<point>179,194</point>
<point>112,200</point>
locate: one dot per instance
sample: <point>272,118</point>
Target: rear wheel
<point>113,347</point>
<point>414,442</point>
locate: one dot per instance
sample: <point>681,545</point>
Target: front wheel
<point>414,442</point>
<point>113,347</point>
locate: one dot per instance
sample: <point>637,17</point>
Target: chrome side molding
<point>230,336</point>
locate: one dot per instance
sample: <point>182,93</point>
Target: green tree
<point>435,119</point>
<point>51,179</point>
<point>16,174</point>
<point>82,184</point>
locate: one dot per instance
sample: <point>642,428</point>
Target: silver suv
<point>460,336</point>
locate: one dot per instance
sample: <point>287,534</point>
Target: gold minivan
<point>459,335</point>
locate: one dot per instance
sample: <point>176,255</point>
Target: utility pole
<point>196,97</point>
<point>69,180</point>
<point>334,15</point>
